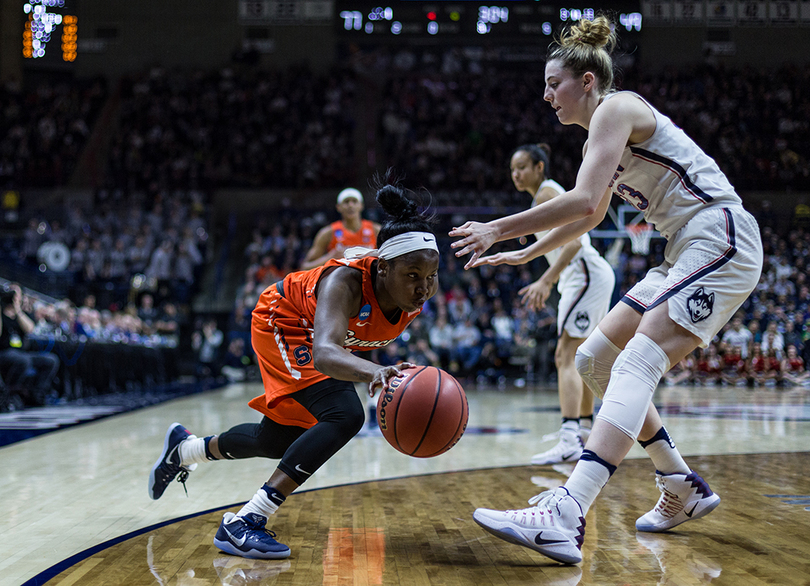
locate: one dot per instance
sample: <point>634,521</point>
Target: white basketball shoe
<point>684,497</point>
<point>568,449</point>
<point>554,526</point>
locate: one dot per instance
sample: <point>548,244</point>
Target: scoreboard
<point>505,20</point>
<point>50,32</point>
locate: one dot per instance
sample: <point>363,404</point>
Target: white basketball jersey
<point>669,178</point>
<point>587,249</point>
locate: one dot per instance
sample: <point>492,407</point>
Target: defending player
<point>304,329</point>
<point>713,260</point>
<point>585,281</point>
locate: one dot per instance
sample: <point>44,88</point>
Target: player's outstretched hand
<point>384,376</point>
<point>513,257</point>
<point>476,238</point>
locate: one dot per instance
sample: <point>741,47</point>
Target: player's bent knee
<point>594,360</point>
<point>636,372</point>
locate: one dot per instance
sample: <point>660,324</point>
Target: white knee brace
<point>594,359</point>
<point>635,374</point>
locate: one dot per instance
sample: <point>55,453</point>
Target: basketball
<point>423,413</point>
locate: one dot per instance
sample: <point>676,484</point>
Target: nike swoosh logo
<point>689,514</point>
<point>238,542</point>
<point>540,541</point>
<point>361,324</point>
<point>301,470</point>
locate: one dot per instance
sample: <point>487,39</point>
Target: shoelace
<point>545,500</point>
<point>182,476</point>
<point>669,505</point>
<point>256,527</point>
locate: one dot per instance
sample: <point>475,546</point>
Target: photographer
<point>25,372</point>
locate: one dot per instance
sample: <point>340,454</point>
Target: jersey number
<point>302,355</point>
<point>631,196</point>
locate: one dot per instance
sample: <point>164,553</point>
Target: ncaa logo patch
<point>582,321</point>
<point>365,312</point>
<point>700,305</point>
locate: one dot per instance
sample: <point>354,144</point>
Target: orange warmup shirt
<point>282,329</point>
<point>364,237</point>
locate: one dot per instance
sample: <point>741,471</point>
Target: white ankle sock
<point>192,451</point>
<point>665,455</point>
<point>260,503</point>
<point>569,432</point>
<point>586,481</point>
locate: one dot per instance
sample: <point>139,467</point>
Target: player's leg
<point>560,535</point>
<point>569,387</point>
<point>596,356</point>
<point>583,304</point>
<point>339,414</point>
<point>555,526</point>
<point>711,267</point>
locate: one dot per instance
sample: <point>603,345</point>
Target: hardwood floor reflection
<point>418,530</point>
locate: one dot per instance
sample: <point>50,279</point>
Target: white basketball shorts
<point>586,288</point>
<point>710,267</point>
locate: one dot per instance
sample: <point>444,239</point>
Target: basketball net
<point>640,235</point>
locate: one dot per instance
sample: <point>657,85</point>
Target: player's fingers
<point>471,263</point>
<point>463,242</point>
<point>484,260</point>
<point>466,250</point>
<point>462,230</point>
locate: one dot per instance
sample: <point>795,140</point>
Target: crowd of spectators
<point>43,130</point>
<point>115,252</point>
<point>241,127</point>
<point>52,350</point>
<point>456,131</point>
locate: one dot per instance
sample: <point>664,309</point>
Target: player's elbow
<point>321,358</point>
<point>590,210</point>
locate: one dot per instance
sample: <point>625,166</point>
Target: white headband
<point>396,246</point>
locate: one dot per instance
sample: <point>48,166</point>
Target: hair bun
<point>596,33</point>
<point>393,200</point>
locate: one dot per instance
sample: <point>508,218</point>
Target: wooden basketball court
<point>75,508</point>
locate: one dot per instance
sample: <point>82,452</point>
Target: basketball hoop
<point>640,235</point>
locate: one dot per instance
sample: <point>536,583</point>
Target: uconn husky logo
<point>582,321</point>
<point>700,305</point>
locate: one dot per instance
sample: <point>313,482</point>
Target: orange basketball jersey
<point>364,237</point>
<point>282,329</point>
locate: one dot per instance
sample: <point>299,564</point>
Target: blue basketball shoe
<point>248,537</point>
<point>168,466</point>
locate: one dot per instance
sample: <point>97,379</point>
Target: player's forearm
<point>338,363</point>
<point>559,211</point>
